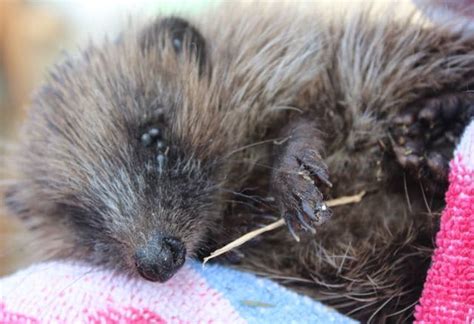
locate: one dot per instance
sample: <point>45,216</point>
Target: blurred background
<point>33,35</point>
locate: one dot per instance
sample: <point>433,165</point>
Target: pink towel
<point>72,292</point>
<point>448,295</point>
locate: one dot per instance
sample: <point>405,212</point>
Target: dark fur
<point>221,97</point>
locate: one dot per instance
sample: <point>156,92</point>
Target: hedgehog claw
<point>288,221</point>
<point>295,185</point>
<point>303,222</point>
<point>308,210</point>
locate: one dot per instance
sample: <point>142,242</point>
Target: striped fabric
<point>61,292</point>
<point>448,295</point>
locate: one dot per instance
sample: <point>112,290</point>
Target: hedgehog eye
<point>151,136</point>
<point>154,137</point>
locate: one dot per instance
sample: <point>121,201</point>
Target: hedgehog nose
<point>160,259</point>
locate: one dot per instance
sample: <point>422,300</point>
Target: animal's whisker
<point>380,308</point>
<point>427,205</point>
<point>242,148</point>
<point>257,199</point>
<point>253,207</point>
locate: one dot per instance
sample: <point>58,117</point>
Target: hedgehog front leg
<point>298,173</point>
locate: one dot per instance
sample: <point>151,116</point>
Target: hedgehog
<point>183,133</point>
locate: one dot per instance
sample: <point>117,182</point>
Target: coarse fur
<point>222,99</point>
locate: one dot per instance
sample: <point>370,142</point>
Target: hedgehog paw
<point>425,134</point>
<point>295,186</point>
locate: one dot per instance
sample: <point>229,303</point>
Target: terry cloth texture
<point>63,292</point>
<point>448,295</point>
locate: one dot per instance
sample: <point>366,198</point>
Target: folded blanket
<point>76,293</point>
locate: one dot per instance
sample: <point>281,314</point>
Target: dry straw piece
<point>250,235</point>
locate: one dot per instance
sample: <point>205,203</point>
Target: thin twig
<point>250,235</point>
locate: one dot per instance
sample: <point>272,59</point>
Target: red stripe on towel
<point>448,295</point>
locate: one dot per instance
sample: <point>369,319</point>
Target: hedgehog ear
<point>181,35</point>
